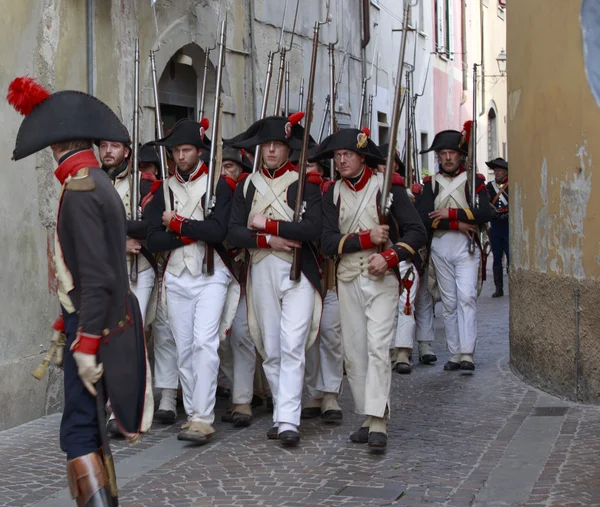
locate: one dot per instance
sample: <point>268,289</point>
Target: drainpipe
<point>254,62</point>
<point>90,47</point>
<point>482,35</point>
<point>365,20</point>
<point>465,60</point>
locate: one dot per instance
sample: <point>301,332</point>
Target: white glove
<point>88,370</point>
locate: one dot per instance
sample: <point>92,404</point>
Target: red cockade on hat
<point>204,124</point>
<point>24,93</point>
<point>363,137</point>
<point>293,119</point>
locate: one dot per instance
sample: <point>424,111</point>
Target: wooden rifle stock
<point>300,204</point>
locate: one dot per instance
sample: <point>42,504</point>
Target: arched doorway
<point>180,86</point>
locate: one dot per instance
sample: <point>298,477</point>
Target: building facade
<point>553,121</point>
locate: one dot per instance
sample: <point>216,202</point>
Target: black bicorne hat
<point>185,131</point>
<point>497,163</point>
<point>237,156</point>
<point>448,140</point>
<point>272,128</point>
<point>62,116</point>
<point>149,154</point>
<point>351,139</point>
<point>383,148</point>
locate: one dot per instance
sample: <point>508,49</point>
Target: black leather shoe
<point>332,416</point>
<point>467,365</point>
<point>361,436</point>
<point>450,366</point>
<point>272,434</point>
<point>165,416</point>
<point>428,359</point>
<point>499,292</point>
<point>377,441</point>
<point>310,412</point>
<point>403,368</point>
<point>289,438</point>
<point>100,498</point>
<point>241,420</point>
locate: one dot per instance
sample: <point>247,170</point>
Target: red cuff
<point>365,239</point>
<point>261,241</point>
<point>176,223</point>
<point>59,324</point>
<point>391,257</point>
<point>452,213</point>
<point>86,343</point>
<point>272,227</point>
<point>454,225</point>
<point>187,240</point>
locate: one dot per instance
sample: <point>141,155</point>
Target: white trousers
<point>424,311</point>
<point>284,310</point>
<point>457,272</point>
<point>195,305</point>
<point>406,325</point>
<point>142,289</point>
<point>225,376</point>
<point>238,347</point>
<point>368,309</point>
<point>325,358</point>
<point>166,375</point>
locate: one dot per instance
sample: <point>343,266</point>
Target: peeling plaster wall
<point>554,124</point>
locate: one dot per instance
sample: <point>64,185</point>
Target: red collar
<point>460,170</point>
<point>288,166</point>
<point>503,182</point>
<point>74,163</point>
<point>199,171</point>
<point>362,181</point>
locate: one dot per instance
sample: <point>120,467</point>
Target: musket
<point>363,93</point>
<point>287,90</point>
<point>263,111</point>
<point>408,181</point>
<point>300,205</point>
<point>283,49</point>
<point>370,112</point>
<point>386,197</point>
<point>332,120</point>
<point>324,118</point>
<point>135,173</point>
<point>301,95</point>
<point>473,157</point>
<point>162,152</point>
<point>206,62</point>
<point>212,165</point>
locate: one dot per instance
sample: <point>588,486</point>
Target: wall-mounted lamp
<point>501,59</point>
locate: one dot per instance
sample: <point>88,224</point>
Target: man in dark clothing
<point>498,192</point>
<point>100,316</point>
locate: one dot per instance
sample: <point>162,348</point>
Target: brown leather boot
<point>88,481</point>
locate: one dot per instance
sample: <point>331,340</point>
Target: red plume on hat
<point>466,133</point>
<point>205,123</point>
<point>296,118</point>
<point>366,131</point>
<point>24,93</point>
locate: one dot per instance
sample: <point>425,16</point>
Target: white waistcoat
<point>123,188</point>
<point>357,212</point>
<point>270,200</point>
<point>187,203</point>
<point>451,195</point>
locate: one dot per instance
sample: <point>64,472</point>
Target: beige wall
<point>554,125</point>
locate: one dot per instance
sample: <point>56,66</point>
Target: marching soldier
<point>283,315</point>
<point>200,306</point>
<point>367,279</point>
<point>498,193</point>
<point>166,376</point>
<point>445,210</point>
<point>99,315</point>
<point>324,370</point>
<point>235,168</point>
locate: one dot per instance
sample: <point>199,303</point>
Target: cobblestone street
<point>485,439</point>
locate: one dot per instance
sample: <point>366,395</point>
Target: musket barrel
<point>473,161</point>
<point>385,202</point>
<point>287,89</point>
<point>203,96</point>
<point>301,95</point>
<point>332,91</point>
<point>263,111</point>
<point>162,152</point>
<point>135,173</point>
